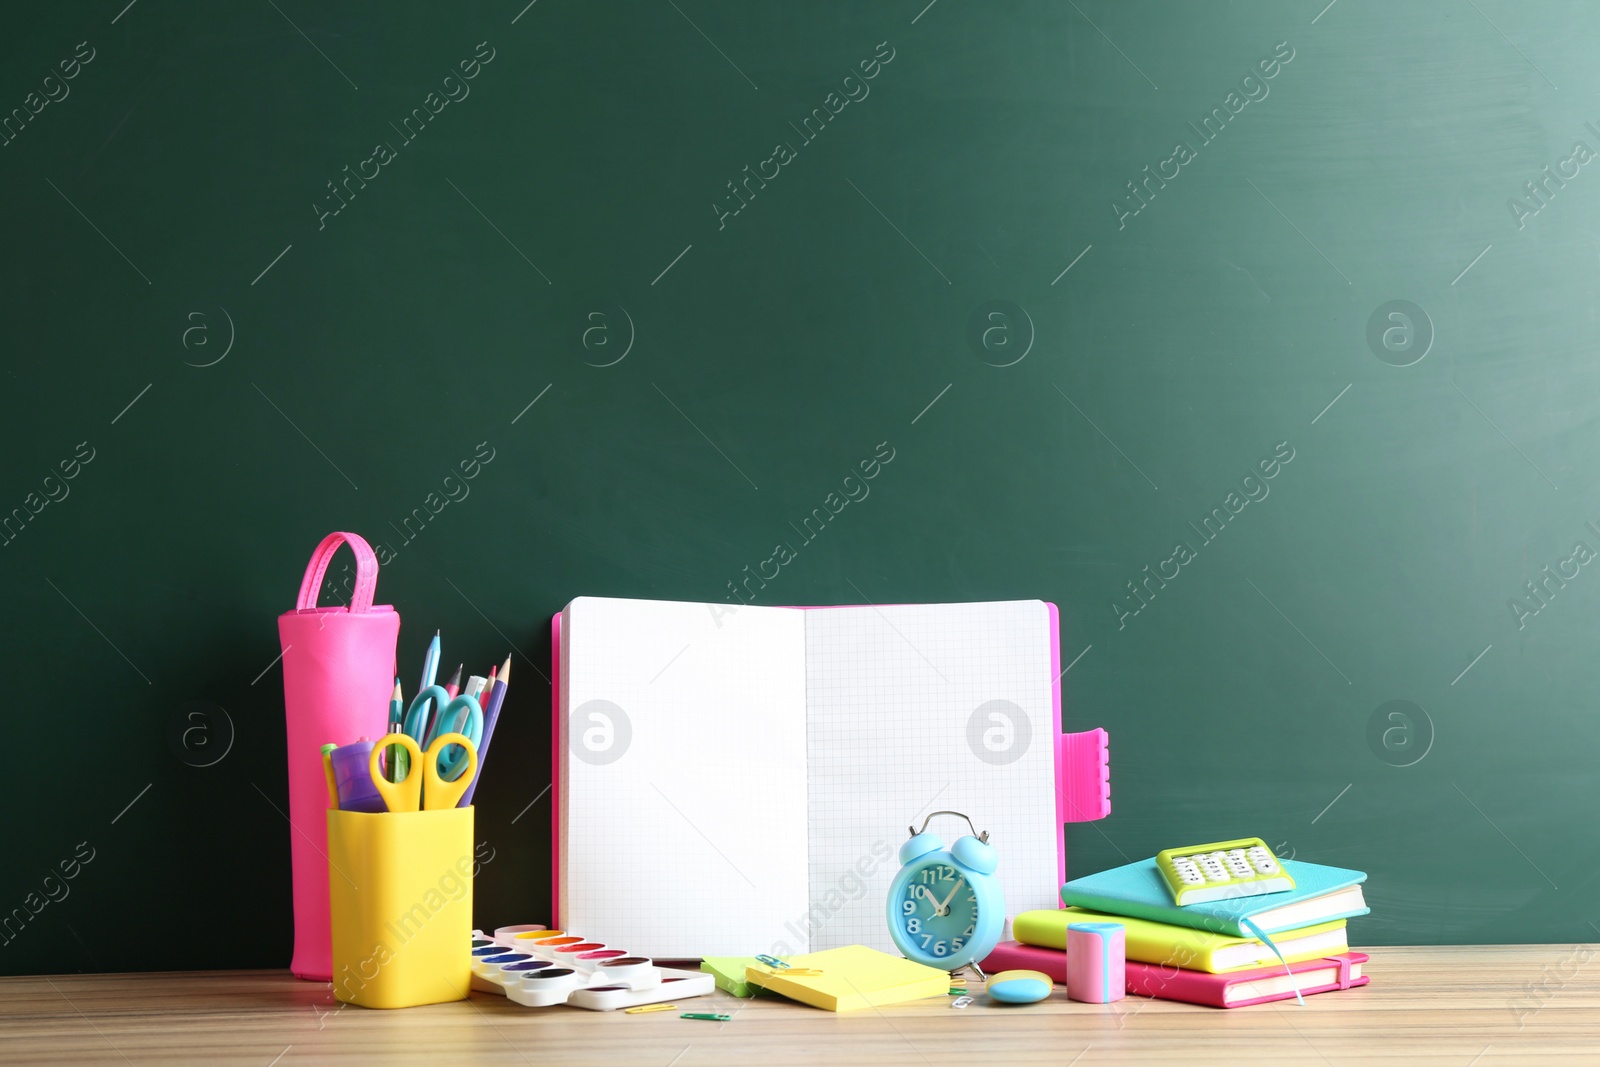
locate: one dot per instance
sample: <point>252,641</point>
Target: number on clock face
<point>939,910</point>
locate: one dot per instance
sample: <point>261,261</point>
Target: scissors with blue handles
<point>423,788</point>
<point>445,713</point>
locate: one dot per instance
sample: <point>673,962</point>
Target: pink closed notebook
<point>1015,956</point>
<point>1239,989</point>
<point>1236,989</point>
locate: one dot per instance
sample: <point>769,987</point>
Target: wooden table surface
<point>1483,1006</point>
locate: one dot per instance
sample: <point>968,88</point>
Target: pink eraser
<point>1097,962</point>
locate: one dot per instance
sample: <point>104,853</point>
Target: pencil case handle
<point>366,572</point>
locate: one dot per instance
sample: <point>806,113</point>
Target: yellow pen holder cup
<point>400,889</point>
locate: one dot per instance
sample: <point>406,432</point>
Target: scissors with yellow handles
<point>445,711</point>
<point>422,789</point>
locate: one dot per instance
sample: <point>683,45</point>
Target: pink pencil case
<point>338,674</point>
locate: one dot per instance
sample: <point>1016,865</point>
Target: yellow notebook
<point>852,978</point>
<point>1182,946</point>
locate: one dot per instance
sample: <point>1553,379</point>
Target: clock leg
<point>979,972</point>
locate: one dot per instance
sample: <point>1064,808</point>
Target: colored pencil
<point>430,663</point>
<point>491,715</point>
<point>398,761</point>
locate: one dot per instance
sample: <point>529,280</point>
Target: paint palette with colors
<point>538,968</point>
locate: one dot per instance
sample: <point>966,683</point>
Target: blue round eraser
<point>1019,987</point>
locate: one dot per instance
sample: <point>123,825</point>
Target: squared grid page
<point>896,716</point>
<point>691,840</point>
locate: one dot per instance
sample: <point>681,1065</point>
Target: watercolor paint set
<point>538,968</point>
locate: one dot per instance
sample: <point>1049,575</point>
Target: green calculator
<point>1222,871</point>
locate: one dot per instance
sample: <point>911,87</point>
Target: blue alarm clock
<point>945,907</point>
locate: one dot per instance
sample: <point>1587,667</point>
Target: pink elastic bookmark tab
<point>1097,962</point>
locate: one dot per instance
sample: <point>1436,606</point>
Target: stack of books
<point>1213,953</point>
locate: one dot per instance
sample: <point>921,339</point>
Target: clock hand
<point>927,894</point>
<point>944,908</point>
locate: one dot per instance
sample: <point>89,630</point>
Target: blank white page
<point>692,841</point>
<point>898,708</point>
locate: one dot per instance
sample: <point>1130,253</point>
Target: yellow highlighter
<point>327,769</point>
<point>422,789</point>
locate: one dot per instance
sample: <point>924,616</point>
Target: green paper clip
<point>712,1016</point>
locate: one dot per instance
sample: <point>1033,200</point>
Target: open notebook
<point>732,781</point>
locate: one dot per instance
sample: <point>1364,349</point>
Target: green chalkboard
<point>1259,338</point>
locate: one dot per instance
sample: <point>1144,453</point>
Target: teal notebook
<point>1321,894</point>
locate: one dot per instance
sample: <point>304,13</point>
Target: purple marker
<point>353,778</point>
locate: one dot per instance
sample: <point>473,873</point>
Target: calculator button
<point>1239,866</point>
<point>1212,866</point>
<point>1264,863</point>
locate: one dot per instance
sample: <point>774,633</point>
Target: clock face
<point>937,910</point>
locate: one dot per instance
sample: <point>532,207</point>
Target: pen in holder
<point>400,886</point>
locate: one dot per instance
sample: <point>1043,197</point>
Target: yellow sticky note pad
<point>852,978</point>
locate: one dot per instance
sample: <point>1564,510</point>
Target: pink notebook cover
<point>1083,769</point>
<point>1171,983</point>
<point>1014,955</point>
